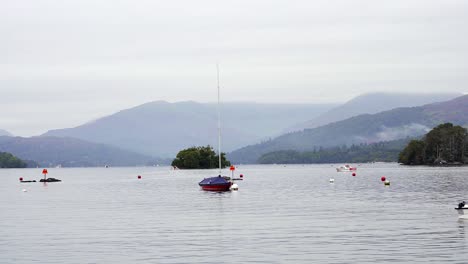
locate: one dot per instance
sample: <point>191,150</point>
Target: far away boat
<point>218,183</point>
<point>462,210</point>
<point>346,168</point>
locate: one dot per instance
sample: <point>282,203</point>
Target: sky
<point>64,63</point>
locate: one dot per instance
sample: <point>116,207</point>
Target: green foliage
<point>7,160</point>
<point>445,143</point>
<point>199,158</point>
<point>414,153</point>
<point>382,151</point>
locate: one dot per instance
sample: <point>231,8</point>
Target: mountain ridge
<point>5,133</point>
<point>372,103</point>
<point>70,152</point>
<point>367,128</point>
<point>161,129</point>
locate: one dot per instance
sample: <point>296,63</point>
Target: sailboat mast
<point>219,123</point>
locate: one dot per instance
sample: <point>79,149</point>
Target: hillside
<point>69,152</point>
<point>389,125</point>
<point>372,103</point>
<point>162,129</point>
<point>386,151</point>
<point>7,160</point>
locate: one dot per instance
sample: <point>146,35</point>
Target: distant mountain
<point>69,152</point>
<point>389,125</point>
<point>162,129</point>
<point>373,103</point>
<point>5,133</point>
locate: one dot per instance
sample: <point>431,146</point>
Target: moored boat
<point>462,210</point>
<point>346,168</point>
<point>216,184</point>
<point>219,183</point>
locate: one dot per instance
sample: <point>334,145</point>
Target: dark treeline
<point>382,151</point>
<point>7,160</point>
<point>199,158</point>
<point>445,144</point>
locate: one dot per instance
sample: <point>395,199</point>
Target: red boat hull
<point>216,187</point>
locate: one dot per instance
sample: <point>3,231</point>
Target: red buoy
<point>21,178</point>
<point>139,176</point>
<point>242,175</point>
<point>383,178</point>
<point>44,171</point>
<point>354,174</point>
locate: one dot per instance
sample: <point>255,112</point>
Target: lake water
<point>281,214</point>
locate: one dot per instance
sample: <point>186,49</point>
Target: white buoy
<point>234,187</point>
<point>387,182</point>
<point>24,190</point>
<point>332,180</point>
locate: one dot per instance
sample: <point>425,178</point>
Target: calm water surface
<point>281,214</point>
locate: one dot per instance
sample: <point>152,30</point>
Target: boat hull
<point>216,184</point>
<point>216,188</point>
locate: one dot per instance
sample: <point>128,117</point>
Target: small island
<point>444,145</point>
<point>199,158</point>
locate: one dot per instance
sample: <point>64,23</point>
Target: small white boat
<point>462,210</point>
<point>346,168</point>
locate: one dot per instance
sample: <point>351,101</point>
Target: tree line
<point>445,144</point>
<point>7,160</point>
<point>381,151</point>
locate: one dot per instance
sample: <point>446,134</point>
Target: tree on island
<point>199,158</point>
<point>7,160</point>
<point>445,144</point>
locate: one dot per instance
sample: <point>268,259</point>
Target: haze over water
<point>281,214</point>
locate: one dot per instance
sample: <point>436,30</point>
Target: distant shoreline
<point>436,165</point>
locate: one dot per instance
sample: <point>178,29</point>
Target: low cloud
<point>392,133</point>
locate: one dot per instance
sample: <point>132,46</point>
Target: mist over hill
<point>373,103</point>
<point>69,152</point>
<point>162,129</point>
<point>388,125</point>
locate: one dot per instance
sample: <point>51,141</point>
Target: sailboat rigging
<point>219,120</point>
<point>219,183</point>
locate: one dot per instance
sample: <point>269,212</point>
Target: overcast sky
<point>63,63</point>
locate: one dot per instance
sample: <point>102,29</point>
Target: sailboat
<point>218,183</point>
